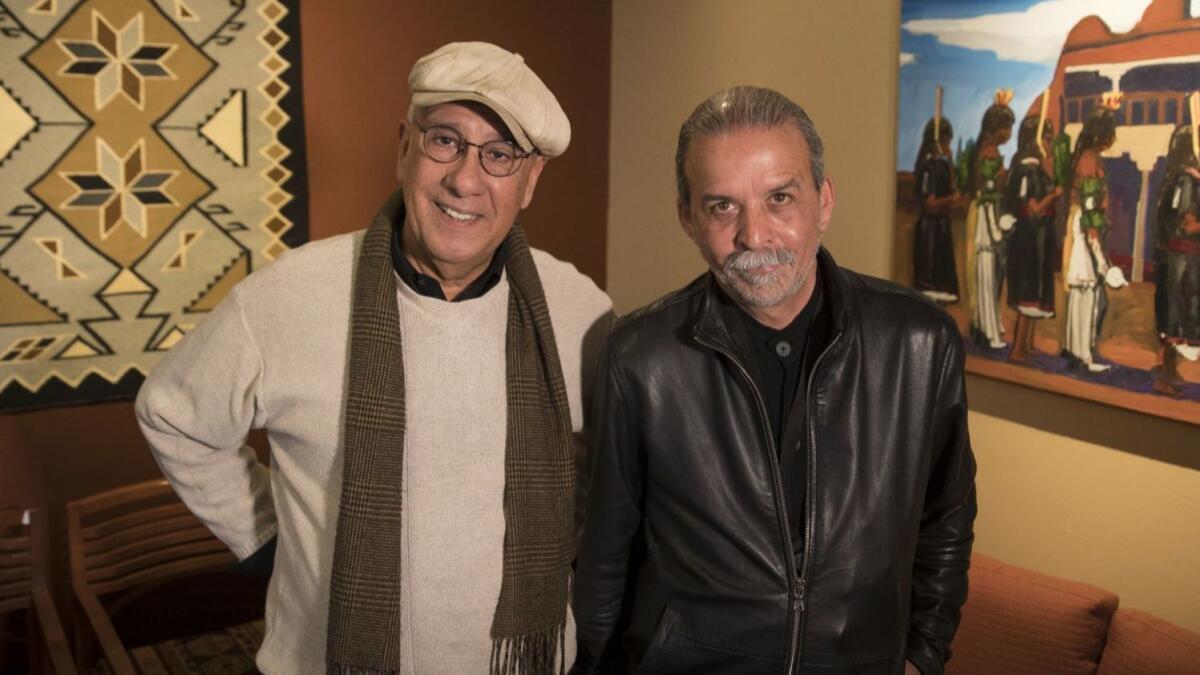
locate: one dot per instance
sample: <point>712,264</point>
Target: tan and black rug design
<point>151,155</point>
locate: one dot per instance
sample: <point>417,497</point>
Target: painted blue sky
<point>973,48</point>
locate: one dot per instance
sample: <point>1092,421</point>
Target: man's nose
<point>754,230</point>
<point>466,175</point>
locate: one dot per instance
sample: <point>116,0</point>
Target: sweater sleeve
<point>195,410</point>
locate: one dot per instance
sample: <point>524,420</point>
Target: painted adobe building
<point>1155,66</point>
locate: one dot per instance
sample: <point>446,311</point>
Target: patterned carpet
<point>227,652</point>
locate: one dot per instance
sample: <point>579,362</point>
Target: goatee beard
<point>763,289</point>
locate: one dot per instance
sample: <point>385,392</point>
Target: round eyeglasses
<point>445,144</point>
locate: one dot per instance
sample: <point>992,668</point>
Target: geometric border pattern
<point>124,217</point>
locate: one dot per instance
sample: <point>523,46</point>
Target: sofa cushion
<point>1020,621</point>
<point>1140,643</point>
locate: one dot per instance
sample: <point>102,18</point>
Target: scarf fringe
<point>533,654</point>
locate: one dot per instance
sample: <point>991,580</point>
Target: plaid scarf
<point>539,475</point>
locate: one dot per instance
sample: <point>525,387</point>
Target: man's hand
<point>910,669</point>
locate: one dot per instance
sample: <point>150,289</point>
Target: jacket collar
<point>708,323</point>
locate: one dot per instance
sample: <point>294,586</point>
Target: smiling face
<point>457,214</point>
<point>757,217</point>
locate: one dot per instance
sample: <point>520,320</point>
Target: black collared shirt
<point>426,285</point>
<point>778,361</point>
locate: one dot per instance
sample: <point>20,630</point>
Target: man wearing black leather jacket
<point>782,479</point>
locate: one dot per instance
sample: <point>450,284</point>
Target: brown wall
<point>356,60</point>
<point>356,57</point>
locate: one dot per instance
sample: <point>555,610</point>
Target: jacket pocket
<point>658,641</point>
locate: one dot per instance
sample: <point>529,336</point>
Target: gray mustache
<point>745,261</point>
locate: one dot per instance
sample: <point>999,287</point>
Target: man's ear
<point>827,200</point>
<point>535,172</point>
<point>405,139</point>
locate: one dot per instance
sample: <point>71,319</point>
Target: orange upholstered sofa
<point>1020,621</point>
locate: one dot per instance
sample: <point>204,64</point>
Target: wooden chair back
<point>24,566</point>
<point>136,536</point>
<point>16,559</point>
<point>124,543</point>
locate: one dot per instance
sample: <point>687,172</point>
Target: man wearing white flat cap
<point>421,386</point>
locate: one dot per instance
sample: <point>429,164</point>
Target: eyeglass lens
<point>445,144</point>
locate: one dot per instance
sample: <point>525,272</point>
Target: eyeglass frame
<point>521,154</point>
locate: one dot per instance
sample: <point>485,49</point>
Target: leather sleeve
<point>939,581</point>
<point>612,521</point>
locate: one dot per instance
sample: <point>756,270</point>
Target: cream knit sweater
<point>273,356</point>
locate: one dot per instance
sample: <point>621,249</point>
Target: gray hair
<point>746,107</point>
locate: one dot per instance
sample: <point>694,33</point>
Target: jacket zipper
<point>796,588</point>
<point>810,499</point>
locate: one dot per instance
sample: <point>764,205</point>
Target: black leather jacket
<point>685,564</point>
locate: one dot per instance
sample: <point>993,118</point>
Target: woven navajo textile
<point>151,156</point>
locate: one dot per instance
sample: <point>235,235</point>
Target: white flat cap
<point>499,79</point>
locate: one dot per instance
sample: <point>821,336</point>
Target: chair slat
<point>15,573</point>
<point>126,495</point>
<point>20,543</point>
<point>144,545</point>
<point>167,555</point>
<point>125,521</point>
<point>179,568</point>
<point>19,559</point>
<point>13,604</point>
<point>15,588</point>
<point>141,533</point>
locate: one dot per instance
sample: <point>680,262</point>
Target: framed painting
<point>1048,191</point>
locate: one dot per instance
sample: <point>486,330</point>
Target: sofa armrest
<point>1017,620</point>
<point>1139,642</point>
